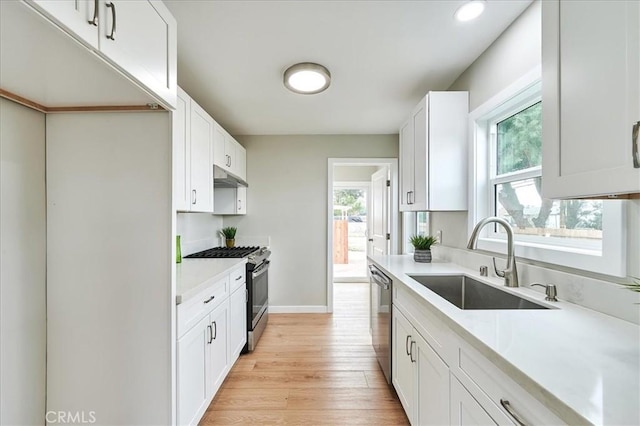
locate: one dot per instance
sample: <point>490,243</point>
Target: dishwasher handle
<point>379,278</point>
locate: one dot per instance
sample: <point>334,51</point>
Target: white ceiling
<point>383,57</point>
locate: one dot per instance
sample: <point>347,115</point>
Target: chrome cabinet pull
<point>94,21</point>
<point>413,343</point>
<point>406,345</point>
<point>193,196</point>
<point>507,406</point>
<point>634,145</point>
<point>408,198</point>
<point>239,205</point>
<point>112,36</point>
<point>215,330</point>
<point>210,299</point>
<point>210,334</point>
<point>239,277</point>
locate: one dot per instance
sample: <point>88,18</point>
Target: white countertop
<point>584,365</point>
<point>192,275</point>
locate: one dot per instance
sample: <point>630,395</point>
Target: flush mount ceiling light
<point>307,78</point>
<point>470,10</point>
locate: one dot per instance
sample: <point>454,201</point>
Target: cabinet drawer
<point>189,313</point>
<point>489,385</point>
<point>237,278</point>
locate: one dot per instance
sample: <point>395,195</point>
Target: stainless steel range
<point>257,285</point>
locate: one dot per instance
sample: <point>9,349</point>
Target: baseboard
<point>305,309</point>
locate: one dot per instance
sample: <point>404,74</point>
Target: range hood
<point>224,179</point>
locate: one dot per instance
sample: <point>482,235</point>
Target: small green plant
<point>634,286</point>
<point>229,232</point>
<point>423,242</point>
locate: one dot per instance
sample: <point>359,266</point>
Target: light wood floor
<point>311,369</point>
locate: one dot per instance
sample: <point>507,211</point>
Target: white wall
<point>22,265</point>
<point>287,201</point>
<point>198,231</point>
<point>353,173</point>
<point>513,54</point>
<point>110,267</point>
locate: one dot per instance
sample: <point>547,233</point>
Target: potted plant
<point>229,234</point>
<point>422,245</point>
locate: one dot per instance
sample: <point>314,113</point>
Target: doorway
<point>362,218</point>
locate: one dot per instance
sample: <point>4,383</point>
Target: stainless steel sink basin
<point>467,293</point>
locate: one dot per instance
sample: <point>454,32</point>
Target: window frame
<point>483,157</point>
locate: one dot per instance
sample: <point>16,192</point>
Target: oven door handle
<point>261,270</point>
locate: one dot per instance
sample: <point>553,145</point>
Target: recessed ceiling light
<point>470,10</point>
<point>307,78</point>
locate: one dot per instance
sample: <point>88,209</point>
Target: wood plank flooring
<point>311,369</point>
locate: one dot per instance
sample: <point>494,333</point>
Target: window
<point>583,234</point>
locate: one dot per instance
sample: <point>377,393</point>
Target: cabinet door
<point>591,86</point>
<point>406,165</point>
<point>140,37</point>
<point>465,410</point>
<point>432,399</point>
<point>230,152</point>
<point>202,127</point>
<point>76,16</point>
<point>402,362</point>
<point>181,118</point>
<point>192,353</point>
<point>419,117</point>
<point>219,156</point>
<point>240,162</point>
<point>218,348</point>
<point>241,201</point>
<point>237,322</point>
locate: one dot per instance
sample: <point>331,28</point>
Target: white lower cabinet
<point>465,410</point>
<point>211,333</point>
<point>421,378</point>
<point>218,356</point>
<point>237,321</point>
<point>192,385</point>
<point>441,379</point>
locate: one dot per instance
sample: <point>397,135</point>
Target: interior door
<point>379,219</point>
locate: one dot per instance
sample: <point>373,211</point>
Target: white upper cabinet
<point>139,38</point>
<point>591,98</point>
<point>433,154</point>
<point>228,154</point>
<point>182,152</point>
<point>78,16</point>
<point>202,127</point>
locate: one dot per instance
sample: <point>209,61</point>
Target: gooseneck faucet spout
<point>510,274</point>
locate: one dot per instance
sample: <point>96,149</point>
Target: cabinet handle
<point>112,36</point>
<point>406,344</point>
<point>210,334</point>
<point>210,299</point>
<point>413,343</point>
<point>512,413</point>
<point>408,197</point>
<point>239,278</point>
<point>94,21</point>
<point>239,205</point>
<point>634,145</point>
<point>215,330</point>
<point>193,196</point>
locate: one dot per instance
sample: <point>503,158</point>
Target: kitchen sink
<point>467,293</point>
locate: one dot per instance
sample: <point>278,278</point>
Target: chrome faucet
<point>510,274</point>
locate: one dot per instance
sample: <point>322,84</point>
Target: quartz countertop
<point>193,275</point>
<point>582,364</point>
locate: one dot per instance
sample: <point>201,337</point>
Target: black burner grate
<point>223,252</point>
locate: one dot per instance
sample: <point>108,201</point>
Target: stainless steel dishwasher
<point>381,318</point>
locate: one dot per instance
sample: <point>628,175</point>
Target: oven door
<point>260,292</point>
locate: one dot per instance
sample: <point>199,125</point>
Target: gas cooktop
<point>223,252</point>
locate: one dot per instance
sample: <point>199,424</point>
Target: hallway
<point>311,369</point>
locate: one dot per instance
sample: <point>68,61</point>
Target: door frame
<point>394,229</point>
